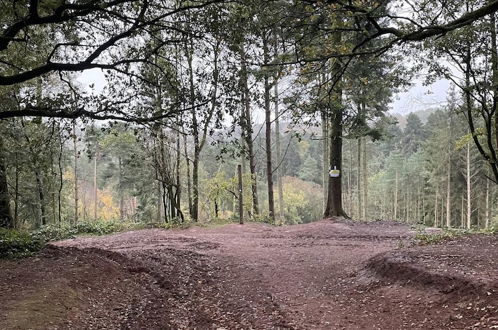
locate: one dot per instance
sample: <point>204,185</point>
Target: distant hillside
<point>422,114</point>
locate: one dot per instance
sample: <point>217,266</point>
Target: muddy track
<point>324,275</point>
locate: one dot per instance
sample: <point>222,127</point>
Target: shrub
<point>15,244</point>
<point>49,233</point>
<point>98,227</point>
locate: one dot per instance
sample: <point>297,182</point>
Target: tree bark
<point>200,136</point>
<point>494,63</point>
<point>364,171</point>
<point>334,197</point>
<point>435,209</point>
<point>120,192</point>
<point>396,196</point>
<point>6,220</point>
<point>241,195</point>
<point>61,178</point>
<point>418,204</point>
<point>194,212</point>
<point>358,175</point>
<point>486,224</point>
<point>350,178</point>
<point>325,155</point>
<point>269,167</point>
<point>448,185</point>
<point>247,127</point>
<point>423,210</point>
<point>159,198</point>
<point>75,150</point>
<point>16,193</point>
<point>278,155</point>
<point>469,188</point>
<point>189,184</point>
<point>95,187</point>
<point>41,198</point>
<point>178,178</point>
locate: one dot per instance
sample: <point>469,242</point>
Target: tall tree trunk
<point>189,184</point>
<point>83,199</point>
<point>448,195</point>
<point>358,175</point>
<point>278,155</point>
<point>165,201</point>
<point>41,198</point>
<point>442,211</point>
<point>350,178</point>
<point>418,204</point>
<point>241,195</point>
<point>75,151</point>
<point>347,194</point>
<point>53,191</point>
<point>95,187</point>
<point>486,225</point>
<point>16,193</point>
<point>334,196</point>
<point>494,64</point>
<point>6,220</point>
<point>407,205</point>
<point>200,136</point>
<point>469,188</point>
<point>247,127</point>
<point>195,134</point>
<point>269,167</point>
<point>120,192</point>
<point>396,196</point>
<point>178,179</point>
<point>448,179</point>
<point>61,178</point>
<point>159,198</point>
<point>435,209</point>
<point>172,202</point>
<point>195,185</point>
<point>325,154</point>
<point>364,171</point>
<point>423,210</point>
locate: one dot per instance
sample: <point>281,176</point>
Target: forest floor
<point>323,275</point>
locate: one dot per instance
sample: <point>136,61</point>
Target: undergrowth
<point>423,238</point>
<point>17,244</point>
<point>22,243</point>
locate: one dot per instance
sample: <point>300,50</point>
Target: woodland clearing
<point>322,275</point>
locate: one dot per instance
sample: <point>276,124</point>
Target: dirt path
<point>324,275</point>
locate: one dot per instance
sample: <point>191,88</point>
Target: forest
<point>291,92</point>
<point>246,164</point>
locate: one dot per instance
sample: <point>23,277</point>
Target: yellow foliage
<point>68,175</point>
<point>302,200</point>
<point>108,210</point>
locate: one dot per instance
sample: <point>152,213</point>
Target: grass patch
<point>423,238</point>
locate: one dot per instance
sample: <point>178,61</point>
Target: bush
<point>168,225</point>
<point>15,244</point>
<point>98,227</point>
<point>49,233</point>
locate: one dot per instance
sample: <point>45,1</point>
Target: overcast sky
<point>420,97</point>
<point>417,97</point>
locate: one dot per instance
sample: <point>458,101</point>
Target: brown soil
<point>324,275</point>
